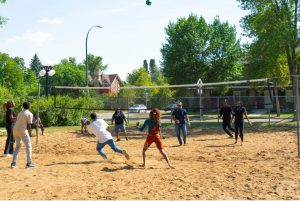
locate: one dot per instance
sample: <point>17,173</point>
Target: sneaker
<point>13,165</point>
<point>30,165</point>
<point>124,152</point>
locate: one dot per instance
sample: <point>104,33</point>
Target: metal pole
<point>297,111</point>
<point>269,111</point>
<point>47,70</point>
<point>200,103</point>
<point>86,54</point>
<point>38,111</point>
<point>218,105</point>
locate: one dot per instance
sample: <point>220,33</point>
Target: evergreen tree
<point>145,65</point>
<point>36,64</point>
<point>154,70</point>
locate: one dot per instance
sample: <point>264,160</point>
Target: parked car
<point>171,107</point>
<point>138,108</point>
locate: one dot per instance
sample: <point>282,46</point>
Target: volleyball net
<point>204,97</point>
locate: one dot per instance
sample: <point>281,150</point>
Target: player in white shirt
<point>98,128</point>
<point>22,132</point>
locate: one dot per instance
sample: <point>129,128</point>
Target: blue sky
<point>132,31</point>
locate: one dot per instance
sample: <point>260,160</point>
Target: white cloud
<point>52,21</point>
<point>37,38</point>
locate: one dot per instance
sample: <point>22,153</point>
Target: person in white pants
<point>22,132</point>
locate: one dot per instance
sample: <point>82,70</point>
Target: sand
<point>210,166</point>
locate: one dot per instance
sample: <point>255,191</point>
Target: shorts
<point>153,138</point>
<point>120,127</point>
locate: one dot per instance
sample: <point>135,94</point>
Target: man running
<point>226,115</point>
<point>238,115</point>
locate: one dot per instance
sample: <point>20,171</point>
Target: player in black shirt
<point>9,124</point>
<point>226,114</point>
<point>238,114</point>
<point>119,118</point>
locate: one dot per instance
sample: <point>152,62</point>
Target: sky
<point>131,33</point>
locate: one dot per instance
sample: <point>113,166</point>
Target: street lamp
<point>86,53</point>
<point>48,71</point>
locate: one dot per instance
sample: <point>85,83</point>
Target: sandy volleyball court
<point>209,167</point>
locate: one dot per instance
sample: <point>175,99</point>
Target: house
<point>113,81</point>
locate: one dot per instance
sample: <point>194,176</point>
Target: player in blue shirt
<point>180,118</point>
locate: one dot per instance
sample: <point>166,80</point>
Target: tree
<point>95,64</point>
<point>154,70</point>
<point>195,49</point>
<point>68,73</point>
<point>2,19</point>
<point>21,63</point>
<point>35,64</point>
<point>11,75</point>
<point>274,27</point>
<point>223,53</point>
<point>145,65</point>
<point>139,77</point>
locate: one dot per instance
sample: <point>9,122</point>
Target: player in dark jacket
<point>239,112</point>
<point>226,115</point>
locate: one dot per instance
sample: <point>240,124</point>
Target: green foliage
<point>35,64</point>
<point>2,19</point>
<point>11,75</point>
<point>274,27</point>
<point>145,65</point>
<point>21,63</point>
<point>68,73</point>
<point>5,95</point>
<point>61,116</point>
<point>95,64</point>
<point>195,49</point>
<point>154,70</point>
<point>140,77</point>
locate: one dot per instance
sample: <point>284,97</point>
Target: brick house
<point>107,80</point>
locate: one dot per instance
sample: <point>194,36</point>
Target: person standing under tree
<point>10,123</point>
<point>22,132</point>
<point>180,117</point>
<point>226,114</point>
<point>238,115</point>
<point>153,124</point>
<point>119,118</point>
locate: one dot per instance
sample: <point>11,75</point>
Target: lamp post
<point>86,54</point>
<point>48,71</point>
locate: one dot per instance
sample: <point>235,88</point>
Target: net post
<point>269,111</point>
<point>200,83</point>
<point>296,77</point>
<point>218,105</point>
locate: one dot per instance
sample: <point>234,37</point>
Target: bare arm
<point>232,117</point>
<point>246,116</point>
<point>187,119</point>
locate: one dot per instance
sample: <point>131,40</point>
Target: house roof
<point>108,78</point>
